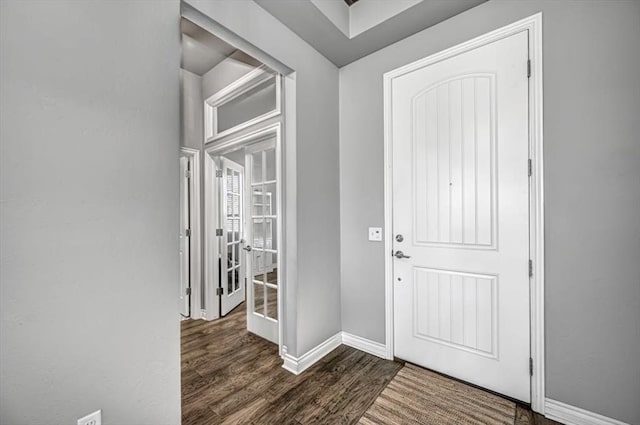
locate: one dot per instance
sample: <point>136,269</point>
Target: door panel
<point>455,160</point>
<point>456,309</point>
<point>460,200</point>
<point>262,236</point>
<point>233,264</point>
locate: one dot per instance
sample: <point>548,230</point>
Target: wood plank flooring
<point>230,376</point>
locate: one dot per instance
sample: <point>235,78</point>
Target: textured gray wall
<point>592,190</point>
<point>89,202</point>
<point>317,302</point>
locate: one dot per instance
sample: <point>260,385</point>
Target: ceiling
<point>331,30</point>
<point>201,50</point>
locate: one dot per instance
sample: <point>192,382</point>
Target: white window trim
<point>533,25</point>
<point>232,91</point>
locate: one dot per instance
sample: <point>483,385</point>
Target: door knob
<point>400,254</point>
<point>247,248</point>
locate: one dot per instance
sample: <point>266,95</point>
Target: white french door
<point>232,258</point>
<point>459,131</point>
<point>185,237</point>
<point>262,246</point>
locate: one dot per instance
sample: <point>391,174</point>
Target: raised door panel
<point>456,309</point>
<point>454,168</point>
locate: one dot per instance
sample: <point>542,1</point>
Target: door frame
<point>533,25</point>
<point>195,240</point>
<point>211,245</point>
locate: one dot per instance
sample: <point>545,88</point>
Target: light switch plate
<point>375,234</point>
<point>94,418</point>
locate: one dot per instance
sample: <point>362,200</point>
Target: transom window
<point>248,101</point>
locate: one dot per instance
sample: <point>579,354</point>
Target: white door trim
<point>211,246</point>
<point>533,25</point>
<point>195,239</point>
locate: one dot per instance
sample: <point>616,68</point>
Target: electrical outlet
<point>375,234</point>
<point>94,418</point>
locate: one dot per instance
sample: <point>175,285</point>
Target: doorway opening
<point>248,171</point>
<point>232,145</point>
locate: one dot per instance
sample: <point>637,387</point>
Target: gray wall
<point>318,285</point>
<point>192,125</point>
<point>89,205</point>
<point>592,190</point>
<point>236,156</point>
<point>226,72</point>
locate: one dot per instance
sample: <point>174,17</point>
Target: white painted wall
<point>312,313</point>
<point>89,136</point>
<point>592,195</point>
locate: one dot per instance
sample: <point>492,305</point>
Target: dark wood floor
<point>230,376</point>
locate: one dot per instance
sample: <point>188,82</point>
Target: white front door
<point>262,239</point>
<point>461,213</point>
<point>232,264</point>
<point>185,237</point>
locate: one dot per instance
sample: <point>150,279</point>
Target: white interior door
<point>185,236</point>
<point>262,239</point>
<point>461,213</point>
<point>233,261</point>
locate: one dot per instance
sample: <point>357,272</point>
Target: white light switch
<point>375,234</point>
<point>94,418</point>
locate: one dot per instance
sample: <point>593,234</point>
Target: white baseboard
<point>571,415</point>
<point>364,344</point>
<point>297,365</point>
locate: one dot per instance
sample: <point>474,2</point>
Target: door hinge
<point>530,268</point>
<point>530,366</point>
<point>528,68</point>
<point>218,291</point>
<point>187,232</point>
<point>530,168</point>
<point>218,232</point>
<point>188,291</point>
<point>218,173</point>
<point>187,173</point>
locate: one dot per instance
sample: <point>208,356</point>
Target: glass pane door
<point>263,237</point>
<point>233,258</point>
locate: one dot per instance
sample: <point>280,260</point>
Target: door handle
<point>247,248</point>
<point>399,255</point>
